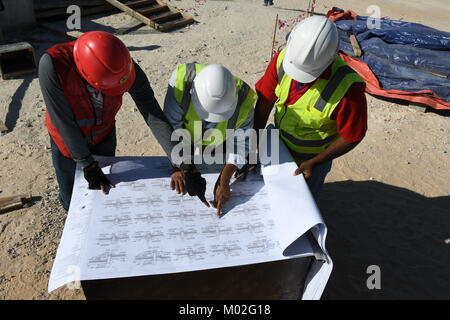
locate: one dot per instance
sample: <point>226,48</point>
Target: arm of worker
<point>237,155</point>
<point>262,113</point>
<point>61,114</point>
<point>222,190</point>
<point>62,118</point>
<point>148,106</point>
<point>338,148</point>
<point>265,88</point>
<point>351,121</point>
<point>172,109</point>
<point>185,177</point>
<point>174,113</point>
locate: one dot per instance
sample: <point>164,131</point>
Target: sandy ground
<point>386,203</point>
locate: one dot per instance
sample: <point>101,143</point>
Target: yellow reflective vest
<point>185,74</point>
<point>306,126</point>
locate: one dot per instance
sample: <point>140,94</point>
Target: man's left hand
<point>306,168</point>
<point>222,194</point>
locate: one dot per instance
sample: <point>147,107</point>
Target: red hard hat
<point>104,62</point>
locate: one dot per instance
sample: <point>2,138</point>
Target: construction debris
<point>14,202</point>
<point>154,13</point>
<point>17,59</point>
<point>355,45</point>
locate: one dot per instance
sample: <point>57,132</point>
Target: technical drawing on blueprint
<point>142,227</point>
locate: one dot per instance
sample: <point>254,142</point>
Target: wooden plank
<point>11,206</point>
<point>166,16</point>
<point>185,16</point>
<point>355,45</point>
<point>148,11</point>
<point>13,202</point>
<point>138,14</point>
<point>132,13</point>
<point>137,3</point>
<point>173,25</point>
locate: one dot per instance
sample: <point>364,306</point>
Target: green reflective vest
<point>306,126</point>
<point>183,84</point>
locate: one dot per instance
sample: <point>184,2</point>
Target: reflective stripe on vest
<point>306,126</point>
<point>182,91</point>
<point>242,94</point>
<point>189,80</point>
<point>308,143</point>
<point>332,86</point>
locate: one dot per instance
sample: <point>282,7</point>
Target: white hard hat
<point>214,93</point>
<point>311,48</point>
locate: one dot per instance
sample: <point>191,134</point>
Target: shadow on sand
<point>370,223</point>
<point>402,232</point>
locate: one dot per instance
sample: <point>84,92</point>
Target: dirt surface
<point>386,203</point>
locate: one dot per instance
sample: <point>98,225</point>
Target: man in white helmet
<point>202,97</point>
<point>321,109</point>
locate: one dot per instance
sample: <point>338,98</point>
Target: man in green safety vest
<point>204,98</point>
<point>321,109</point>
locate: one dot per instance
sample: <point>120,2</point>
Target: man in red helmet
<point>82,83</point>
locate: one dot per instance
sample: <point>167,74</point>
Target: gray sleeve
<point>241,141</point>
<point>172,109</point>
<point>145,100</point>
<point>61,114</point>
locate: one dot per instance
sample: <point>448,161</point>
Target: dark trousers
<point>65,167</point>
<point>315,183</point>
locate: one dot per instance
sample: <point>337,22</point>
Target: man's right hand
<point>178,181</point>
<point>189,181</point>
<point>196,186</point>
<point>96,178</point>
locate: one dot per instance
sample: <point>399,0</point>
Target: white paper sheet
<point>142,227</point>
<point>297,213</point>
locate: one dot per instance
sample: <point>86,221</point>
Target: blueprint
<point>142,227</point>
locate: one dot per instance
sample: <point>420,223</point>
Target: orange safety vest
<point>94,130</point>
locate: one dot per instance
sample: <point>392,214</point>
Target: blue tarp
<point>403,55</point>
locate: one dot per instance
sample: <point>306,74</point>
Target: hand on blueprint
<point>222,187</point>
<point>196,185</point>
<point>222,194</point>
<point>306,168</point>
<point>177,181</point>
<point>96,178</point>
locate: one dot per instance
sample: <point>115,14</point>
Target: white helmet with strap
<point>214,94</point>
<point>311,48</point>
